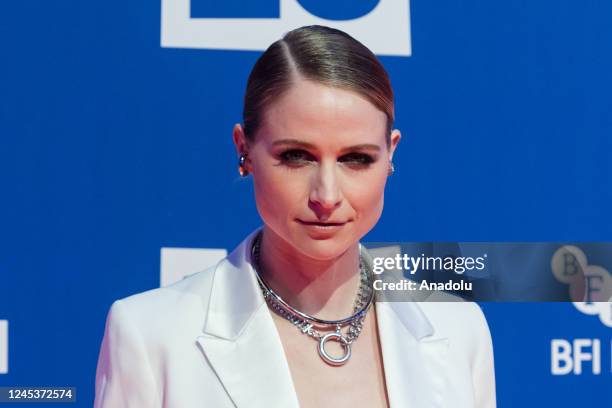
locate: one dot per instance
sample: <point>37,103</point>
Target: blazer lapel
<point>240,339</point>
<point>242,345</point>
<point>414,360</point>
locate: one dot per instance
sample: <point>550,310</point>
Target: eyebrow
<point>306,145</point>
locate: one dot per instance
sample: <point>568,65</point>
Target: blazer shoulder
<point>458,319</point>
<point>469,338</point>
<point>177,304</point>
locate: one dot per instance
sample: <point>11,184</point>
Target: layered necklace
<point>307,323</point>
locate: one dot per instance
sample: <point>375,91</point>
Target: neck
<point>322,288</point>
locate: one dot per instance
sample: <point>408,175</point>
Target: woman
<point>288,318</point>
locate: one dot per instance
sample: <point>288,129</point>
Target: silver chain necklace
<point>306,323</point>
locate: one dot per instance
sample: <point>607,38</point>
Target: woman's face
<point>319,163</point>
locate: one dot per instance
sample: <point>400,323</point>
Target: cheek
<point>276,193</point>
<point>367,198</point>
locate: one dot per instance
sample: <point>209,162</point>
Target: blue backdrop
<point>113,147</point>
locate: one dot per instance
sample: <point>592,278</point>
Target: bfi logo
<point>3,346</point>
<point>385,29</point>
<point>569,357</point>
<point>590,286</point>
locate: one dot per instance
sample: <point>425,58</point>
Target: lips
<point>321,224</point>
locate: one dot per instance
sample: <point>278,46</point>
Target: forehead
<point>323,115</point>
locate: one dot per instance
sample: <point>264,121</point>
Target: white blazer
<point>210,341</point>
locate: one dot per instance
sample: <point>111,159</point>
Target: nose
<point>325,192</point>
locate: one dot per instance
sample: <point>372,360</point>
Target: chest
<point>359,382</point>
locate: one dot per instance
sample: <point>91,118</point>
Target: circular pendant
<point>330,359</point>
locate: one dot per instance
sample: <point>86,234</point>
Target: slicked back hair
<point>320,54</point>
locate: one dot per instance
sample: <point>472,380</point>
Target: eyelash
<point>356,160</point>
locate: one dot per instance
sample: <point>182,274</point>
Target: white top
<point>210,341</point>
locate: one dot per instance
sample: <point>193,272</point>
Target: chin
<point>323,249</point>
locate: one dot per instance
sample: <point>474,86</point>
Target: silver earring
<point>241,166</point>
<point>391,168</point>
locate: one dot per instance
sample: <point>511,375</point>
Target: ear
<point>395,138</point>
<point>240,140</point>
<point>242,145</point>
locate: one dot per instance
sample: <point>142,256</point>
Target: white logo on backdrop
<point>574,357</point>
<point>385,29</point>
<point>590,286</point>
<point>3,346</point>
<point>178,263</point>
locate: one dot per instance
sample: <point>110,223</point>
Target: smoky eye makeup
<point>358,159</point>
<point>295,157</point>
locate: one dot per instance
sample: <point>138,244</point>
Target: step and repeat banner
<point>118,171</point>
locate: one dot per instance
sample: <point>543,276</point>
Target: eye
<point>295,157</point>
<point>357,159</point>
